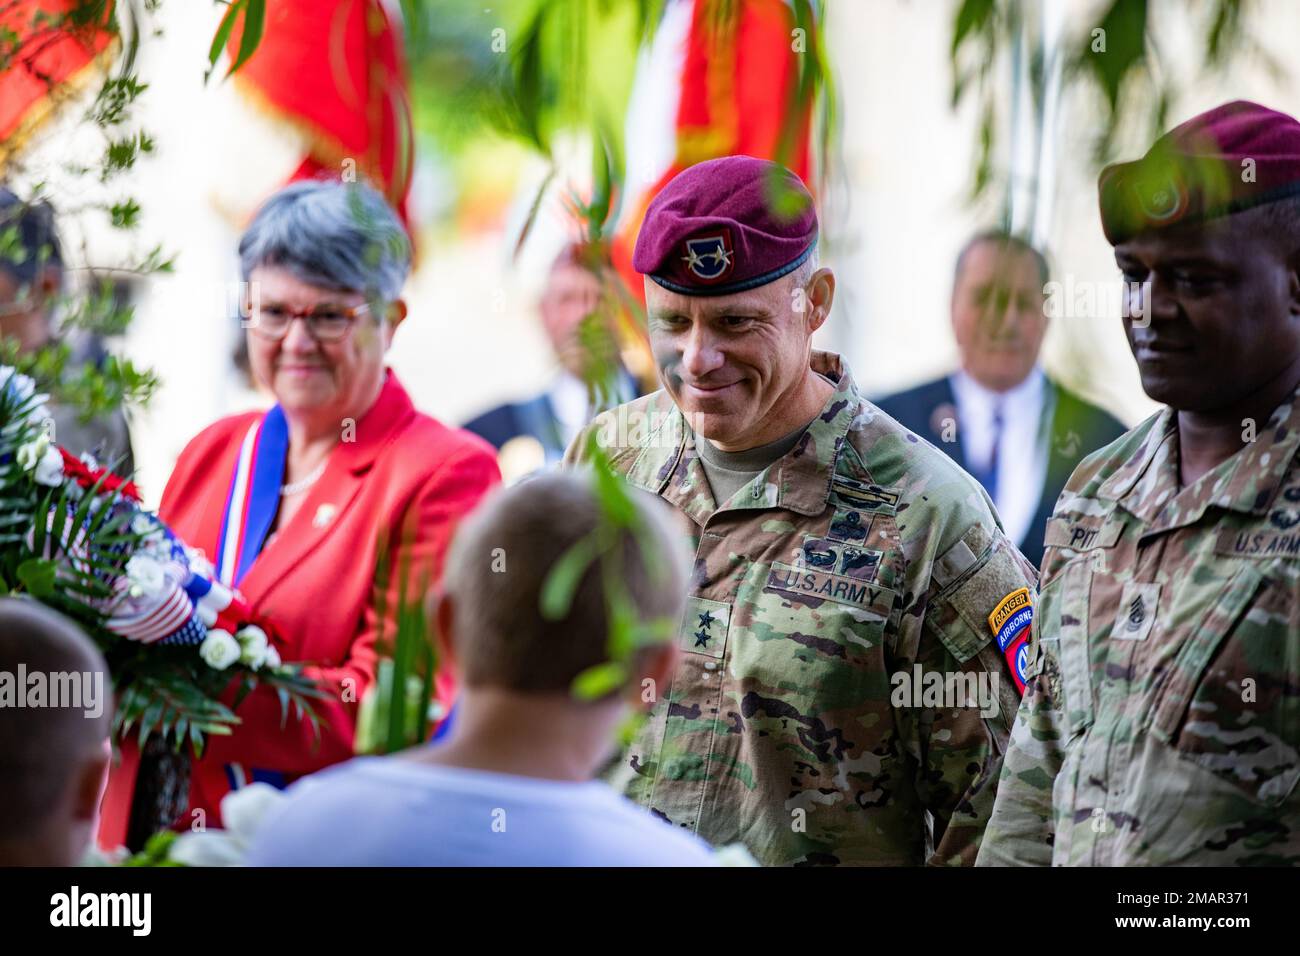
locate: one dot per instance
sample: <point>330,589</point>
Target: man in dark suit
<point>535,432</point>
<point>998,416</point>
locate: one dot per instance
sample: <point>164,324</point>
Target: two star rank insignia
<point>704,626</point>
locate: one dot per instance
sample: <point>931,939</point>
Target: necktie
<point>991,476</point>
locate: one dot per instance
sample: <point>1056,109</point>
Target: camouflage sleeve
<point>959,748</point>
<point>576,453</point>
<point>1020,830</point>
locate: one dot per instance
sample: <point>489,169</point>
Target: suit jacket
<point>533,417</point>
<point>1078,429</point>
<point>536,417</point>
<point>407,479</point>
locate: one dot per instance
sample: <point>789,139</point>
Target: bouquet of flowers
<point>74,536</point>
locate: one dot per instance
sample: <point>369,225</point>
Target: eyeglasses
<point>324,325</point>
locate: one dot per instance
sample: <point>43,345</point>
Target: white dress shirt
<point>571,402</point>
<point>1022,448</point>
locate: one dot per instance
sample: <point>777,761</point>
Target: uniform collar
<point>799,481</point>
<point>1147,485</point>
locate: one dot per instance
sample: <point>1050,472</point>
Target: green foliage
<point>155,852</point>
<point>1112,54</point>
<point>619,518</point>
<point>397,710</point>
<point>64,545</point>
<point>93,307</point>
<point>93,390</point>
<point>250,35</point>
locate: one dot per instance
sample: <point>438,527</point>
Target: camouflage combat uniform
<point>862,553</point>
<point>1164,724</point>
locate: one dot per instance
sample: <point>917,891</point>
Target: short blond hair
<point>499,563</point>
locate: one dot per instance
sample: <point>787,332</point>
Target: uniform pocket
<point>1230,699</point>
<point>809,625</point>
<point>1064,629</point>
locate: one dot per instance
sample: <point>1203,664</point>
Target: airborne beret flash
<point>726,225</point>
<point>1233,158</point>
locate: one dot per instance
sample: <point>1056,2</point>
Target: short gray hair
<point>804,271</point>
<point>340,236</point>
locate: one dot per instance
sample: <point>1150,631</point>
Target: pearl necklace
<point>303,484</point>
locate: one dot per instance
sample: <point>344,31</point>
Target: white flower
<point>30,454</point>
<point>143,523</point>
<point>146,576</point>
<point>49,470</point>
<point>733,854</point>
<point>24,389</point>
<point>253,646</point>
<point>244,812</point>
<point>22,385</point>
<point>272,658</point>
<point>219,649</point>
<point>89,461</point>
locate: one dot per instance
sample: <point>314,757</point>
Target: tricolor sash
<point>254,496</point>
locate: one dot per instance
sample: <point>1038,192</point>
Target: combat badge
<point>849,526</point>
<point>1011,623</point>
<point>863,496</point>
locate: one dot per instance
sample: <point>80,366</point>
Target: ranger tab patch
<point>1010,623</point>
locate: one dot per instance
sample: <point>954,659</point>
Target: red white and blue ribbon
<point>254,496</point>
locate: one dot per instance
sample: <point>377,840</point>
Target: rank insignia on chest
<point>704,627</point>
<point>1011,623</point>
<point>1137,612</point>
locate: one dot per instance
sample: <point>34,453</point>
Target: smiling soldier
<point>833,549</point>
<point>1163,726</point>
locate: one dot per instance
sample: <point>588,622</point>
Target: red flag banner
<point>336,71</point>
<point>50,51</point>
<point>738,77</point>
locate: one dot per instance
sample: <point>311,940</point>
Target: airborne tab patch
<point>1011,623</point>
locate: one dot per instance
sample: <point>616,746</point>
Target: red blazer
<point>405,475</point>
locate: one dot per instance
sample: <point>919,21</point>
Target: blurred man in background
<point>53,745</point>
<point>513,785</point>
<point>577,316</point>
<point>31,279</point>
<point>998,416</point>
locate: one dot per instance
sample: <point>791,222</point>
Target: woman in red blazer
<point>291,506</point>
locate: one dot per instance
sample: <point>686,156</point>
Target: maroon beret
<point>1234,157</point>
<point>726,225</point>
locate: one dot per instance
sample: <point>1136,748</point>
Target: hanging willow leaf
<point>251,35</point>
<point>599,680</point>
<point>222,35</point>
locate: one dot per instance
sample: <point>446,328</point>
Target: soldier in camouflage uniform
<point>844,695</point>
<point>1163,724</point>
